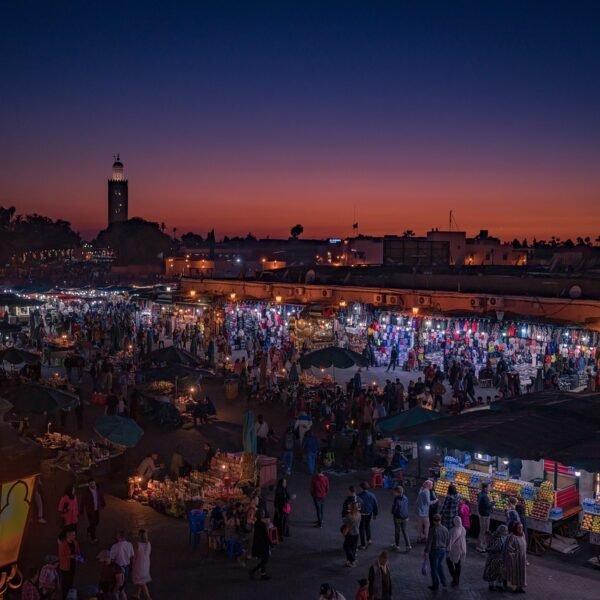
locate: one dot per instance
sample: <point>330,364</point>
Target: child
<point>464,512</point>
<point>363,590</point>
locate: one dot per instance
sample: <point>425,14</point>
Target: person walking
<point>261,428</point>
<point>424,503</point>
<point>310,446</point>
<point>68,555</point>
<point>349,500</point>
<point>515,559</point>
<point>121,553</point>
<point>380,579</point>
<point>261,547</point>
<point>319,488</point>
<point>68,507</point>
<point>456,550</point>
<point>400,516</point>
<point>92,502</point>
<point>484,507</point>
<point>369,509</point>
<point>494,571</point>
<point>288,450</point>
<point>450,507</point>
<point>435,550</point>
<point>393,360</point>
<point>282,508</point>
<point>350,530</point>
<point>140,567</point>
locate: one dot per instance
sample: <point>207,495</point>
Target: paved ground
<point>299,565</point>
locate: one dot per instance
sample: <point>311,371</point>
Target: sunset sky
<point>254,116</point>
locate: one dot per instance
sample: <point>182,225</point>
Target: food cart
<point>547,509</point>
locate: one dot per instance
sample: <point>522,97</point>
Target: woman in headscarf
<point>456,550</point>
<point>282,508</point>
<point>494,570</point>
<point>515,559</point>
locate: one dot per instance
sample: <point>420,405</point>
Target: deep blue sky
<point>254,116</point>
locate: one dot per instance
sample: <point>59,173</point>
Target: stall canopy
<point>16,356</point>
<point>176,371</point>
<point>532,433</point>
<point>172,356</point>
<point>586,406</point>
<point>339,358</point>
<point>395,424</point>
<point>118,430</point>
<point>32,398</point>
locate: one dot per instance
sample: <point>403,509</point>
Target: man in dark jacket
<point>369,510</point>
<point>484,507</point>
<point>92,502</point>
<point>380,578</point>
<point>261,546</point>
<point>400,515</point>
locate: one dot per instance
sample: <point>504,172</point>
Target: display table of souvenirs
<point>71,454</point>
<point>223,484</point>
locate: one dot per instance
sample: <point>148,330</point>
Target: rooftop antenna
<point>450,221</point>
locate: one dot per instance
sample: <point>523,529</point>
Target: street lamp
<point>20,467</point>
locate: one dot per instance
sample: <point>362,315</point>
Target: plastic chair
<point>376,478</point>
<point>233,549</point>
<point>196,520</point>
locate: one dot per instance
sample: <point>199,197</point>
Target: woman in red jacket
<point>69,509</point>
<point>68,554</point>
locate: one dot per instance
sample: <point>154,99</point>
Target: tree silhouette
<point>296,231</point>
<point>408,233</point>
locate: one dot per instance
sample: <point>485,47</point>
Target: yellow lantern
<point>20,467</point>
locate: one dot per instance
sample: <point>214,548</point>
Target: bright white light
<point>427,446</point>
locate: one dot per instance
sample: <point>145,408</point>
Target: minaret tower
<point>117,194</point>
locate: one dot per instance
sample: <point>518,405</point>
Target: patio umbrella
<point>248,433</point>
<point>33,398</point>
<point>121,431</point>
<point>176,371</point>
<point>172,356</point>
<point>333,356</point>
<point>413,416</point>
<point>16,356</point>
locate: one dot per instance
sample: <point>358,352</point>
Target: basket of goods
<point>441,487</point>
<point>160,388</point>
<point>541,510</point>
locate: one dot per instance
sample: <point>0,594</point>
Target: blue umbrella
<point>118,430</point>
<point>248,433</point>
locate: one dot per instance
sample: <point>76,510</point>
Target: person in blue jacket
<point>311,448</point>
<point>369,510</point>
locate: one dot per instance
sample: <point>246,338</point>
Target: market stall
<point>547,509</point>
<point>223,484</point>
<point>79,458</point>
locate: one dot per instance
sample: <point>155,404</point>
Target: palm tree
<point>408,233</point>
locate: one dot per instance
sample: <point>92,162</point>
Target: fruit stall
<point>547,509</point>
<point>591,519</point>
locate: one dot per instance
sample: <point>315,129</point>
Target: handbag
<point>424,567</point>
<point>287,508</point>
